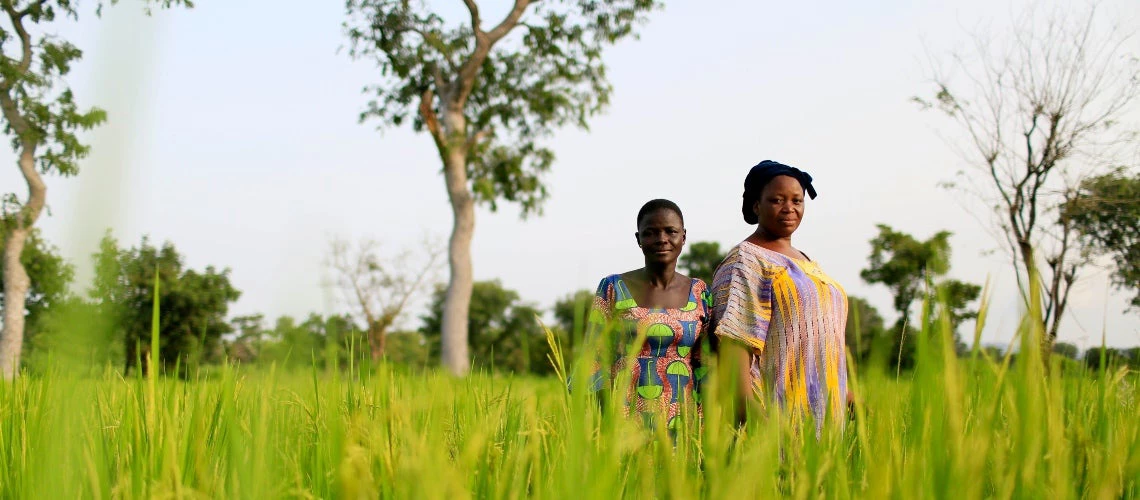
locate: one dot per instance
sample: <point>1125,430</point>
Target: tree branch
<point>422,276</point>
<point>475,21</point>
<point>509,22</point>
<point>483,44</point>
<point>17,19</point>
<point>478,137</point>
<point>431,121</point>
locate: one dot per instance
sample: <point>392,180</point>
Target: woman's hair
<point>763,173</point>
<point>659,204</point>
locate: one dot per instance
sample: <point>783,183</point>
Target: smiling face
<point>661,236</point>
<point>780,207</point>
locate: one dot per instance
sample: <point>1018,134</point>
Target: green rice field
<point>955,427</point>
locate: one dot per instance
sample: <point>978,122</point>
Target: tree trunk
<point>376,339</point>
<point>16,286</point>
<point>461,281</point>
<point>16,282</point>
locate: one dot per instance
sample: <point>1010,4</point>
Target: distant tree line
<point>111,323</point>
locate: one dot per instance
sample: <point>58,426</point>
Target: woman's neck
<point>659,275</point>
<point>764,238</point>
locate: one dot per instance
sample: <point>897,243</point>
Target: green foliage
<point>319,341</point>
<point>50,277</point>
<point>903,264</point>
<point>570,314</point>
<point>952,429</point>
<point>1111,359</point>
<point>701,260</point>
<point>408,349</point>
<point>504,333</point>
<point>1106,213</point>
<point>39,109</point>
<point>866,333</point>
<point>193,303</point>
<point>909,267</point>
<point>1066,350</point>
<point>40,112</point>
<point>510,91</point>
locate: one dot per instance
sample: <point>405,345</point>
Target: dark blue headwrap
<point>761,175</point>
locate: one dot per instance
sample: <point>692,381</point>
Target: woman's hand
<point>850,404</point>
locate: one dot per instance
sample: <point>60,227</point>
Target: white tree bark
<point>16,286</point>
<point>16,282</point>
<point>461,282</point>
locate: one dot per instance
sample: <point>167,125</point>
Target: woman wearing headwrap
<point>778,318</point>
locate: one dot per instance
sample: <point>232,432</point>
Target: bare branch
<point>378,290</point>
<point>1058,85</point>
<point>475,21</point>
<point>509,22</point>
<point>17,19</point>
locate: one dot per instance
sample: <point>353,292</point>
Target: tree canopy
<point>193,304</point>
<point>701,260</point>
<point>1106,214</point>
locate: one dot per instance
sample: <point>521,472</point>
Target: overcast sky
<point>233,133</point>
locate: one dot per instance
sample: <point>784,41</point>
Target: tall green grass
<point>962,428</point>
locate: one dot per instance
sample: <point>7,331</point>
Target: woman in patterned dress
<point>777,317</point>
<point>660,307</point>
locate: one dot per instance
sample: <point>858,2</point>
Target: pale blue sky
<point>233,133</point>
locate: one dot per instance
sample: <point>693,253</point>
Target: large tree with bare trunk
<point>487,97</point>
<point>1041,107</point>
<point>41,117</point>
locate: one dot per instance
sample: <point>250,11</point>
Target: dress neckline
<point>806,259</point>
<point>631,303</point>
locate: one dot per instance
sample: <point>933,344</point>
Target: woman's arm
<point>742,311</point>
<point>736,374</point>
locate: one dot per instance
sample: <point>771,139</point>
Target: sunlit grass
<point>961,428</point>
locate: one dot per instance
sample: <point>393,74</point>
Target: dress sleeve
<point>742,305</point>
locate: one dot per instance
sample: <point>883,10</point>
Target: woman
<point>666,309</point>
<point>779,319</point>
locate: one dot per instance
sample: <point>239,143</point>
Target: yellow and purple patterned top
<point>792,317</point>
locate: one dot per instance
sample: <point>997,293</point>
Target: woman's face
<point>661,236</point>
<point>780,207</point>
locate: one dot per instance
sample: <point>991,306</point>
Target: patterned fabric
<point>792,317</point>
<point>666,371</point>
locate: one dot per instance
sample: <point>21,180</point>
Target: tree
<point>909,267</point>
<point>702,260</point>
<point>570,314</point>
<point>1040,105</point>
<point>956,297</point>
<point>316,341</point>
<point>408,348</point>
<point>41,118</point>
<point>865,329</point>
<point>50,278</point>
<point>1066,350</point>
<point>903,264</point>
<point>487,99</point>
<point>1098,358</point>
<point>248,346</point>
<point>1106,214</point>
<point>193,305</point>
<point>380,290</point>
<point>505,333</point>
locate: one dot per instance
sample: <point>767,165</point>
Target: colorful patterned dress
<point>667,369</point>
<point>792,317</point>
